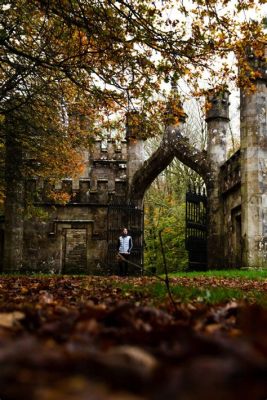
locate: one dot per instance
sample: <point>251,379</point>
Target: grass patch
<point>232,273</point>
<point>157,292</point>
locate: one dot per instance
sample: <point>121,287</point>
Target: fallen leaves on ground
<point>85,338</point>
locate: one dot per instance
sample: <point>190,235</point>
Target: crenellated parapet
<point>104,177</point>
<point>108,149</point>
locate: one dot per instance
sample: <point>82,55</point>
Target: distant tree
<point>165,212</point>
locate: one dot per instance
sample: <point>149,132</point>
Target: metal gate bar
<point>196,228</point>
<point>130,216</point>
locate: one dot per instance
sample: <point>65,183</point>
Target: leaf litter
<point>83,338</point>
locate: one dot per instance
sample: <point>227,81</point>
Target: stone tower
<point>253,126</point>
<point>217,118</point>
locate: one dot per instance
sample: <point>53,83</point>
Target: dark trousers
<point>123,264</point>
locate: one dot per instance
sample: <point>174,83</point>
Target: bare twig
<point>167,280</point>
<point>139,267</point>
<point>130,262</point>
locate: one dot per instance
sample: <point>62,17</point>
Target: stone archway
<point>173,145</point>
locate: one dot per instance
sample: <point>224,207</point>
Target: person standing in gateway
<point>125,245</point>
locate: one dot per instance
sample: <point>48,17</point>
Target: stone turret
<point>135,143</point>
<point>217,118</point>
<point>253,126</point>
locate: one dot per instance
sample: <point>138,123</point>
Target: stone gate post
<point>253,125</point>
<point>217,118</point>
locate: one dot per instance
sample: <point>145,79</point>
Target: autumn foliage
<point>104,57</point>
<point>69,338</point>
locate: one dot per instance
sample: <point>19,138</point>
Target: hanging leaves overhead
<point>109,48</point>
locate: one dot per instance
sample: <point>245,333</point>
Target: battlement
<point>109,149</point>
<point>104,177</point>
<point>77,191</point>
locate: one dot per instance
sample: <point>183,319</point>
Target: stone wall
<point>72,238</point>
<point>48,243</point>
<point>230,191</point>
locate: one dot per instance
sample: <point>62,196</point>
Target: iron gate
<point>130,216</point>
<point>196,228</point>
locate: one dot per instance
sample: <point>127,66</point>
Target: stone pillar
<point>135,144</point>
<point>253,110</point>
<point>217,119</point>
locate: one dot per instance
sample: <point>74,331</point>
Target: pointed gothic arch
<point>173,145</point>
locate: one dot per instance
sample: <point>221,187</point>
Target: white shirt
<point>125,244</point>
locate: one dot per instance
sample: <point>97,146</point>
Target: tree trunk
<point>14,205</point>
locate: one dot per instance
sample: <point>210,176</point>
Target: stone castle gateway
<point>81,235</point>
